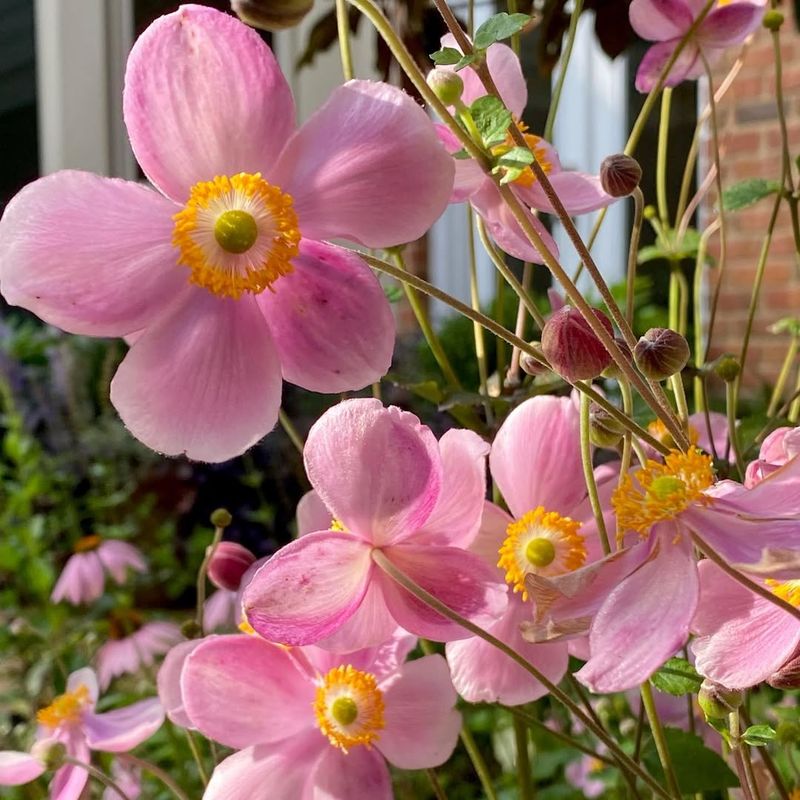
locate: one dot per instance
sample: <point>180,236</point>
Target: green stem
<point>435,785</point>
<point>527,790</point>
<point>633,255</point>
<point>783,376</point>
<point>566,55</point>
<point>676,382</point>
<point>736,750</point>
<point>660,740</point>
<point>156,772</point>
<point>588,475</point>
<point>196,755</point>
<point>794,407</point>
<point>512,376</point>
<point>343,30</point>
<point>291,431</point>
<point>98,775</point>
<point>661,157</point>
<point>478,762</point>
<point>697,297</point>
<point>512,9</point>
<point>203,571</point>
<point>733,436</point>
<point>477,329</point>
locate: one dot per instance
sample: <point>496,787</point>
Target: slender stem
<point>435,785</point>
<point>733,436</point>
<point>661,157</point>
<point>566,55</point>
<point>343,29</point>
<point>588,475</point>
<point>291,431</point>
<point>196,755</point>
<point>527,790</point>
<point>627,445</point>
<point>633,255</point>
<point>97,774</point>
<point>158,773</point>
<point>512,376</point>
<point>478,762</point>
<point>783,376</point>
<point>512,9</point>
<point>477,329</point>
<point>697,297</point>
<point>769,763</point>
<point>624,761</point>
<point>794,407</point>
<point>779,101</point>
<point>203,571</point>
<point>736,750</point>
<point>660,740</point>
<point>676,382</point>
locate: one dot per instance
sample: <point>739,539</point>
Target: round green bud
<point>773,19</point>
<point>604,430</point>
<point>221,518</point>
<point>613,371</point>
<point>717,701</point>
<point>446,85</point>
<point>649,212</point>
<point>272,15</point>
<point>191,630</point>
<point>727,367</point>
<point>50,753</point>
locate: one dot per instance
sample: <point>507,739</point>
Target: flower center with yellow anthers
<point>236,234</point>
<point>349,708</point>
<point>659,430</point>
<point>65,708</point>
<point>543,543</point>
<point>87,543</point>
<point>662,491</point>
<point>527,178</point>
<point>338,525</point>
<point>786,590</point>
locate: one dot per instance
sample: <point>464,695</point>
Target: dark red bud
<point>229,562</point>
<point>620,175</point>
<point>572,347</point>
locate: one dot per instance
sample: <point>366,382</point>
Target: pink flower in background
<point>536,464</point>
<point>133,645</point>
<point>582,774</point>
<point>84,575</point>
<point>72,721</point>
<point>579,192</point>
<point>222,280</point>
<point>128,777</point>
<point>666,22</point>
<point>780,446</point>
<point>325,724</point>
<point>229,565</point>
<point>391,487</point>
<point>741,638</point>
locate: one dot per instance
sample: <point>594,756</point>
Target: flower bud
<point>191,630</point>
<point>788,676</point>
<point>620,175</point>
<point>604,430</point>
<point>228,563</point>
<point>49,752</point>
<point>271,15</point>
<point>446,85</point>
<point>773,20</point>
<point>221,518</point>
<point>572,347</point>
<point>661,352</point>
<point>612,370</point>
<point>717,701</point>
<point>649,212</point>
<point>727,367</point>
<point>531,365</point>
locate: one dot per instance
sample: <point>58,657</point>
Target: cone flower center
<point>543,543</point>
<point>786,590</point>
<point>87,543</point>
<point>349,708</point>
<point>66,707</point>
<point>527,178</point>
<point>236,234</point>
<point>659,491</point>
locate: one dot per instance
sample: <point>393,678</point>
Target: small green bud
<point>660,353</point>
<point>613,371</point>
<point>604,430</point>
<point>191,630</point>
<point>446,85</point>
<point>717,701</point>
<point>271,15</point>
<point>221,518</point>
<point>727,367</point>
<point>773,19</point>
<point>649,212</point>
<point>50,753</point>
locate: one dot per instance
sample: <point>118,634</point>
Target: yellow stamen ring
<point>527,178</point>
<point>236,234</point>
<point>349,708</point>
<point>66,707</point>
<point>787,590</point>
<point>87,543</point>
<point>540,542</point>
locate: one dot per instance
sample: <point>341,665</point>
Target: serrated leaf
<point>446,56</point>
<point>491,118</point>
<point>516,156</point>
<point>500,26</point>
<point>677,677</point>
<point>697,768</point>
<point>759,735</point>
<point>747,193</point>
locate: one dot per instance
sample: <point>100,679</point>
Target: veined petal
<point>124,728</point>
<point>204,96</point>
<point>729,24</point>
<point>312,514</point>
<point>659,20</point>
<point>368,167</point>
<point>330,321</point>
<point>377,469</point>
<point>579,192</point>
<point>656,58</point>
<point>18,768</point>
<point>90,255</point>
<point>342,776</point>
<point>491,533</point>
<point>309,588</point>
<point>204,381</point>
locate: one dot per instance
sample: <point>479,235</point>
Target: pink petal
<point>18,768</point>
<point>90,255</point>
<point>118,557</point>
<point>309,588</point>
<point>204,96</point>
<point>220,610</point>
<point>460,580</point>
<point>421,689</point>
<point>69,781</point>
<point>730,24</point>
<point>204,381</point>
<point>344,181</point>
<point>81,581</point>
<point>457,515</point>
<point>580,193</point>
<point>312,514</point>
<point>469,176</point>
<point>358,773</point>
<point>124,728</point>
<point>491,534</point>
<point>482,673</point>
<point>659,20</point>
<point>169,682</point>
<point>536,459</point>
<point>84,677</point>
<point>715,432</point>
<point>330,321</point>
<point>643,621</point>
<point>656,58</point>
<point>377,469</point>
<point>742,638</point>
<point>242,691</point>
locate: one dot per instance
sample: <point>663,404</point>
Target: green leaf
<point>677,677</point>
<point>516,156</point>
<point>747,193</point>
<point>669,246</point>
<point>500,26</point>
<point>465,61</point>
<point>697,768</point>
<point>446,56</point>
<point>461,155</point>
<point>492,119</point>
<point>759,735</point>
<point>394,294</point>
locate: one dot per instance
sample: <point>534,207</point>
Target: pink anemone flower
<point>780,446</point>
<point>391,487</point>
<point>309,723</point>
<point>84,575</point>
<point>536,463</point>
<point>221,279</point>
<point>743,639</point>
<point>638,603</point>
<point>667,22</point>
<point>580,193</point>
<point>72,721</point>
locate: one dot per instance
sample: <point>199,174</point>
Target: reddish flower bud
<point>788,676</point>
<point>612,370</point>
<point>661,352</point>
<point>572,347</point>
<point>271,15</point>
<point>620,175</point>
<point>229,562</point>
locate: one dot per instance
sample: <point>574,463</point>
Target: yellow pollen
<point>349,708</point>
<point>236,234</point>
<point>86,543</point>
<point>662,491</point>
<point>658,429</point>
<point>788,591</point>
<point>245,627</point>
<point>65,708</point>
<point>527,178</point>
<point>540,542</point>
<point>338,525</point>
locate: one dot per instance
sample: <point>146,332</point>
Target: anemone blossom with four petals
<point>222,279</point>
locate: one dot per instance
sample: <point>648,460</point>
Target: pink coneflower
<point>84,575</point>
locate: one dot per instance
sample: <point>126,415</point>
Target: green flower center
<point>235,231</point>
<point>344,710</point>
<point>540,552</point>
